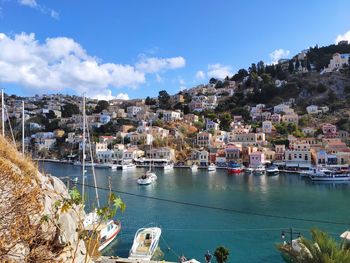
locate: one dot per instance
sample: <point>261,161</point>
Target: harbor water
<point>245,213</point>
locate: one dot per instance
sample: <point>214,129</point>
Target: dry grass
<point>21,204</point>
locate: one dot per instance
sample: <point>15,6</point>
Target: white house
<point>132,111</point>
<point>169,116</point>
<point>211,125</point>
<point>281,108</point>
<point>312,109</point>
<point>337,62</point>
<point>267,126</point>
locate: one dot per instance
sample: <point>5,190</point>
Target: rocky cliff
<point>33,226</point>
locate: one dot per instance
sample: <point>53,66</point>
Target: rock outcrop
<point>33,227</point>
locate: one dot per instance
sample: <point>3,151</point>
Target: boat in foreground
<point>272,170</point>
<point>107,230</point>
<point>145,243</point>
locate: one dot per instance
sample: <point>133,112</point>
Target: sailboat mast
<point>23,127</point>
<point>83,145</point>
<point>2,113</point>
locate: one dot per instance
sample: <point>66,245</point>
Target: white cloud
<point>122,96</point>
<point>155,64</point>
<point>219,71</point>
<point>158,78</point>
<point>182,81</point>
<point>60,64</point>
<point>278,54</point>
<point>30,3</point>
<point>43,9</point>
<point>200,75</point>
<point>345,36</point>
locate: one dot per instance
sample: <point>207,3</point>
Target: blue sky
<point>136,48</point>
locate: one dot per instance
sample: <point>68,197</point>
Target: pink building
<point>256,158</point>
<point>329,130</point>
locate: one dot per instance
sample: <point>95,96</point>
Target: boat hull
<point>330,178</point>
<point>111,238</point>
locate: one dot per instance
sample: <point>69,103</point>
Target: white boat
<point>148,178</point>
<point>114,167</point>
<point>145,243</point>
<point>129,166</point>
<point>272,170</point>
<point>328,175</point>
<point>194,167</point>
<point>212,168</point>
<point>107,230</point>
<point>168,166</point>
<point>259,170</point>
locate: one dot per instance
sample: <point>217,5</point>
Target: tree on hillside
<point>150,101</point>
<point>297,64</point>
<point>239,76</point>
<point>261,67</point>
<point>213,81</point>
<point>308,65</point>
<point>225,121</point>
<point>101,105</point>
<point>291,66</point>
<point>69,109</point>
<point>164,100</point>
<point>252,68</point>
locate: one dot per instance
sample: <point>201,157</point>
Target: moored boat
<point>145,243</point>
<point>212,168</point>
<point>107,231</point>
<point>129,166</point>
<point>235,168</point>
<point>272,170</point>
<point>329,175</point>
<point>194,167</point>
<point>259,170</point>
<point>168,166</point>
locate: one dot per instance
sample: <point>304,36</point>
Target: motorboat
<point>234,168</point>
<point>194,167</point>
<point>272,170</point>
<point>259,170</point>
<point>145,243</point>
<point>144,180</point>
<point>148,178</point>
<point>129,166</point>
<point>168,166</point>
<point>212,168</point>
<point>328,175</point>
<point>107,230</point>
<point>249,170</point>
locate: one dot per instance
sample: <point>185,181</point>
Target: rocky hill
<point>33,228</point>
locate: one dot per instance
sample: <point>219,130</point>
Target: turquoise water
<point>194,230</point>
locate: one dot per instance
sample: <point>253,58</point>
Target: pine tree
<point>291,66</point>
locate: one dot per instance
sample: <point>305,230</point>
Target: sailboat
<point>149,176</point>
<point>107,230</point>
<point>127,166</point>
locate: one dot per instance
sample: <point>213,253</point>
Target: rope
<point>225,209</point>
<point>169,248</point>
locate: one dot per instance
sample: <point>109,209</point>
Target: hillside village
<point>294,113</point>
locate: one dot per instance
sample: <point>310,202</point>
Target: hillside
<point>33,229</point>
